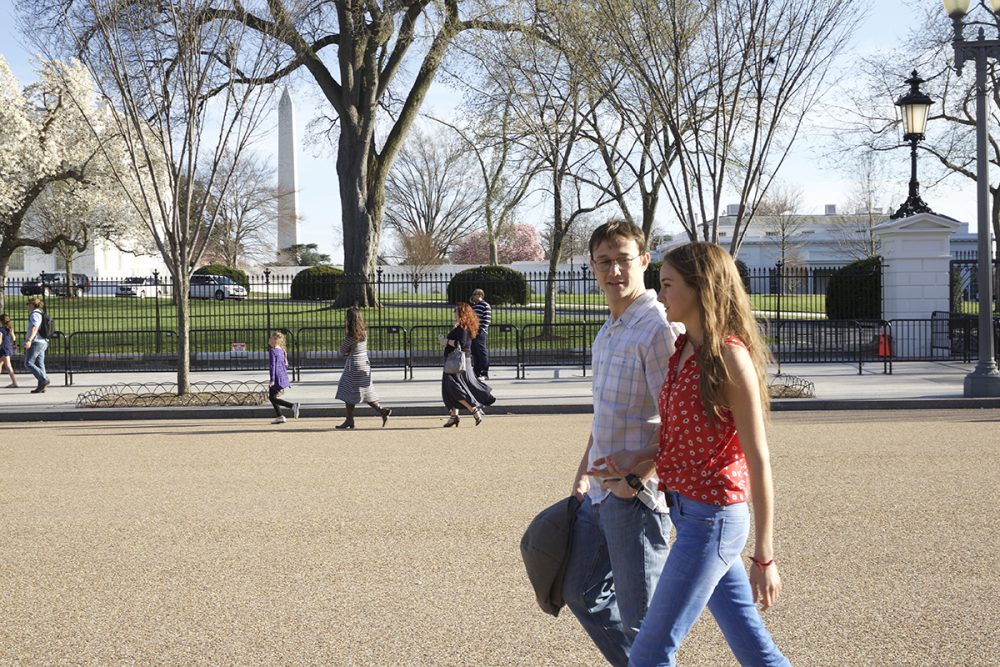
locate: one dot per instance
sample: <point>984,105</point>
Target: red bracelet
<point>760,565</point>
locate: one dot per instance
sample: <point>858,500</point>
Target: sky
<point>319,207</point>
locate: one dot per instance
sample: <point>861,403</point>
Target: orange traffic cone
<point>884,343</point>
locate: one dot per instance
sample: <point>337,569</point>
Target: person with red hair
<point>463,389</point>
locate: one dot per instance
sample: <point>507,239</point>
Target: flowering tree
<point>520,243</point>
<point>45,141</point>
<point>184,95</point>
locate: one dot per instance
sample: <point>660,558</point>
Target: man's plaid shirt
<point>630,359</point>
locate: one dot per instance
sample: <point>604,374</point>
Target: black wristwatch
<point>635,482</point>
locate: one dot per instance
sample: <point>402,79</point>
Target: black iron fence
<point>963,284</point>
<point>103,331</point>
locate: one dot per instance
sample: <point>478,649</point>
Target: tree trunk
<point>4,265</point>
<point>362,204</point>
<point>183,306</point>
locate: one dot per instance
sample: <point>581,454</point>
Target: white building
<point>810,241</point>
<point>102,261</point>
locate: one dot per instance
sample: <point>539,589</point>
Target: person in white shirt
<point>619,541</point>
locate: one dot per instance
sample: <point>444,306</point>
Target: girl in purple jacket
<point>278,365</point>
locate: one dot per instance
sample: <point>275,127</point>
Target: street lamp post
<point>985,379</point>
<point>914,106</point>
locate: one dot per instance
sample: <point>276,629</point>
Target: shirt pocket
<point>618,379</point>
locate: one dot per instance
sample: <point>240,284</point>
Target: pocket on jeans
<point>732,538</point>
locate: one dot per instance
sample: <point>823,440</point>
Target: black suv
<point>48,284</point>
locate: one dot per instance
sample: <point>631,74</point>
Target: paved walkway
<point>544,390</point>
<point>236,543</point>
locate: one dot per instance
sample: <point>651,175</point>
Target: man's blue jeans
<point>34,360</point>
<point>705,568</point>
<point>619,547</point>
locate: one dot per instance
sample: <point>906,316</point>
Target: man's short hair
<point>617,228</point>
<point>478,292</point>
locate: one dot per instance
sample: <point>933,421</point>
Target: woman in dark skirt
<point>463,389</point>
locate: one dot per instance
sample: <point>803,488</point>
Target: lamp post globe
<point>914,107</point>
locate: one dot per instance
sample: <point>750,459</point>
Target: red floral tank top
<point>701,459</point>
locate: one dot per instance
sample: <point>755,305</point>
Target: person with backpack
<point>36,342</point>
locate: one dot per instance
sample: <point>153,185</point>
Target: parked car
<point>215,287</point>
<point>141,287</point>
<point>48,284</point>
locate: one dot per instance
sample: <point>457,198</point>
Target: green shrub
<point>502,285</point>
<point>238,276</point>
<point>855,291</point>
<point>317,283</point>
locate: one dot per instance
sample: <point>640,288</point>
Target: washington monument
<point>288,181</point>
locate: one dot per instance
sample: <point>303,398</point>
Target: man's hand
<point>27,344</point>
<point>618,464</point>
<point>580,487</point>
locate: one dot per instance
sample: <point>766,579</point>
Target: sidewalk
<point>561,390</point>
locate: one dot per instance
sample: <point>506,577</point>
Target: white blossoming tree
<point>183,97</point>
<point>45,143</point>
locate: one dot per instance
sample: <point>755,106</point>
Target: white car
<point>215,287</point>
<point>140,287</point>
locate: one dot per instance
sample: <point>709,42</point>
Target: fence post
<point>267,295</point>
<point>156,296</point>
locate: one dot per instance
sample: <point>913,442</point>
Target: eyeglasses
<point>604,265</point>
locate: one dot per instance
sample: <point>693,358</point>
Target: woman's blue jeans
<point>705,568</point>
<point>617,553</point>
<point>34,360</point>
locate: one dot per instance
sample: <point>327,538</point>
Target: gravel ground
<point>237,542</point>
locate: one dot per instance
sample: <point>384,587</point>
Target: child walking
<point>7,342</point>
<point>278,366</point>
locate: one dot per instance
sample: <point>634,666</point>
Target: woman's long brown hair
<point>725,311</point>
<point>356,327</point>
<point>467,318</point>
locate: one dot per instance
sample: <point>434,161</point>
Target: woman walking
<point>712,458</point>
<point>356,381</point>
<point>463,389</point>
<point>278,370</point>
<point>7,342</point>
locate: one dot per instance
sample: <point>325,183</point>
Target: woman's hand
<point>766,584</point>
<point>618,464</point>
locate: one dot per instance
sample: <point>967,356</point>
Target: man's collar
<point>635,309</point>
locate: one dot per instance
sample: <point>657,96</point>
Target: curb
<point>329,411</point>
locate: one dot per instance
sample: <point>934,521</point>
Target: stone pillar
<point>915,279</point>
<point>288,182</point>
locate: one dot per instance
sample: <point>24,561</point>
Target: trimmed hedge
<point>238,276</point>
<point>855,291</point>
<point>502,285</point>
<point>317,283</point>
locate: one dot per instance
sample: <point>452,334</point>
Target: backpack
<point>47,327</point>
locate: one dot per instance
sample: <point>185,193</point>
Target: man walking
<point>619,541</point>
<point>36,342</point>
<point>481,353</point>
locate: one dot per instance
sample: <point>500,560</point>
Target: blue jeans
<point>619,547</point>
<point>481,355</point>
<point>705,568</point>
<point>34,360</point>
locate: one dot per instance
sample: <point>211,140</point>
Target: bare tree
<point>506,174</point>
<point>431,194</point>
<point>857,237</point>
<point>244,232</point>
<point>373,62</point>
<point>874,124</point>
<point>420,255</point>
<point>180,93</point>
<point>733,82</point>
